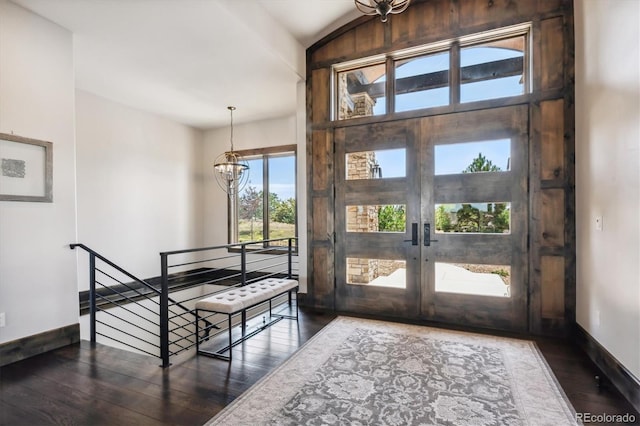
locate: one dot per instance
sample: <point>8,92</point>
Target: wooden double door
<point>431,218</point>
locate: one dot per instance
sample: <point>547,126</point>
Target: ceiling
<point>189,59</point>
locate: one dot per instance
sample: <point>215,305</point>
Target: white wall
<point>260,134</point>
<point>38,289</point>
<point>139,185</point>
<point>608,175</point>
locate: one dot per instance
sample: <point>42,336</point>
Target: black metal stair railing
<point>137,319</point>
<point>141,315</point>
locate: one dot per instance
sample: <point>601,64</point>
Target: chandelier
<point>382,7</point>
<point>230,170</point>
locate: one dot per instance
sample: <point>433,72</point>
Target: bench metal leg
<point>219,353</point>
<point>290,301</point>
<point>197,332</point>
<point>273,318</point>
<point>231,337</point>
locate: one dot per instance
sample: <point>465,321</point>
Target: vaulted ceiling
<point>189,59</point>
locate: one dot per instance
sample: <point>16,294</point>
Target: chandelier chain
<point>231,108</point>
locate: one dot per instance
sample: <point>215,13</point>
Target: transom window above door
<point>474,68</point>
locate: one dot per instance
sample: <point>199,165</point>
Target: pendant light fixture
<point>382,7</point>
<point>231,172</point>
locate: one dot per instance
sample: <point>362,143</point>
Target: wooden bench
<point>238,300</point>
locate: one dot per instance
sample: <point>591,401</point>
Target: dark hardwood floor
<point>83,385</point>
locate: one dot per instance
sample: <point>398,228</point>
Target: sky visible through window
<point>454,158</point>
<point>281,176</point>
<point>450,158</point>
<point>425,98</point>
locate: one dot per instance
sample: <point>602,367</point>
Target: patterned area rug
<point>363,372</point>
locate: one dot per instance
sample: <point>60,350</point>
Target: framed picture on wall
<point>26,169</point>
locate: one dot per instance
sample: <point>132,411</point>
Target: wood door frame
<point>551,102</point>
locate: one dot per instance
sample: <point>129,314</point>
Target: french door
<point>431,218</point>
<point>377,263</point>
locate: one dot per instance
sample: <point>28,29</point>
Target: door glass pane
<point>422,82</point>
<point>484,218</point>
<point>377,272</point>
<point>387,163</point>
<point>387,218</point>
<point>482,280</point>
<point>282,198</point>
<point>361,92</point>
<point>492,70</point>
<point>473,157</point>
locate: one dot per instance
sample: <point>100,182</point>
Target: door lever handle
<point>427,235</point>
<point>414,235</point>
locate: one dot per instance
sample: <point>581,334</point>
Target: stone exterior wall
<point>359,165</point>
<point>362,105</point>
<point>361,218</point>
<point>345,105</point>
<point>361,271</point>
<point>353,105</point>
<point>387,266</point>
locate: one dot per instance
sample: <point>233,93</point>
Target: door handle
<point>427,235</point>
<point>414,235</point>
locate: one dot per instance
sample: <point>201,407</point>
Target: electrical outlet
<point>3,319</point>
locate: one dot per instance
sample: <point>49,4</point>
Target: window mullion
<point>265,199</point>
<point>454,74</point>
<point>390,86</point>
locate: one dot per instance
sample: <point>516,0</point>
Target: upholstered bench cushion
<point>237,299</point>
